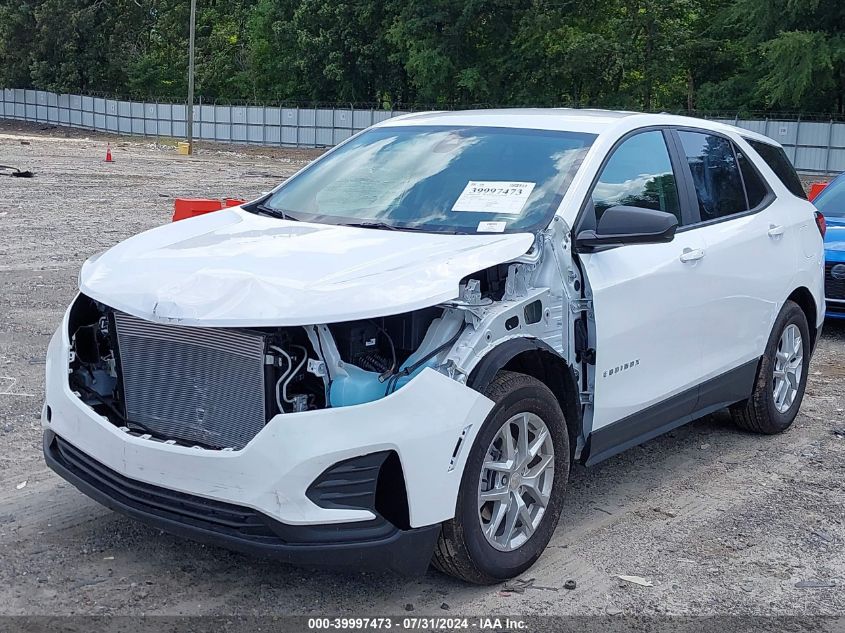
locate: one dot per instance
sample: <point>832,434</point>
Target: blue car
<point>831,202</point>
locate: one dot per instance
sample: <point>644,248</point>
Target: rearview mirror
<point>629,225</point>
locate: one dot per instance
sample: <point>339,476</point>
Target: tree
<point>795,50</point>
<point>17,30</point>
<point>455,52</point>
<point>634,54</point>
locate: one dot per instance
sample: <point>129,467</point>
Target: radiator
<point>196,385</point>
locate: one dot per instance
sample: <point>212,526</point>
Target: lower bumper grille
<point>833,288</point>
<point>375,544</point>
<point>198,512</point>
<point>199,517</point>
<point>197,385</point>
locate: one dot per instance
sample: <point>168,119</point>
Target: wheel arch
<point>537,359</point>
<point>805,300</point>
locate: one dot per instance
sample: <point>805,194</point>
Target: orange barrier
<point>815,189</point>
<point>191,207</point>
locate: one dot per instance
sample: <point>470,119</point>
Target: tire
<point>763,412</point>
<point>463,549</point>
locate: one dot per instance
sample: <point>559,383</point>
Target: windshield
<point>436,178</point>
<point>831,201</point>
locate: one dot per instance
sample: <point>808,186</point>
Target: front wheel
<point>781,376</point>
<point>512,488</point>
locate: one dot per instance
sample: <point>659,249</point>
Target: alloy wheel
<point>789,366</point>
<point>516,481</point>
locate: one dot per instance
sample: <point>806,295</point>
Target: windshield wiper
<point>274,212</point>
<point>383,226</point>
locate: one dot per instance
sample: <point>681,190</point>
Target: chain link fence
<point>815,147</point>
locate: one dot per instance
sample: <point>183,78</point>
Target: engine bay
<point>193,385</point>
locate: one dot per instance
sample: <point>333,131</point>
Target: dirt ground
<point>720,521</point>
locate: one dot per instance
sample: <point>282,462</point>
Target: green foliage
<point>791,52</point>
<point>796,64</point>
<point>637,54</point>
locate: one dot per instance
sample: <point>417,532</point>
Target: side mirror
<point>629,225</point>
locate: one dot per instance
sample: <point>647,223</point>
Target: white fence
<point>813,146</point>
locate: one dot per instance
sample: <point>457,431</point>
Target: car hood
<point>235,268</point>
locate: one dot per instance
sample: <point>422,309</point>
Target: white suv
<point>395,356</point>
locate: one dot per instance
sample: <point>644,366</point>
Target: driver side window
<point>638,174</point>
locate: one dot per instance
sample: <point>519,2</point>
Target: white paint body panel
<point>648,323</point>
<point>743,280</point>
<point>747,274</point>
<point>236,269</point>
<point>421,422</point>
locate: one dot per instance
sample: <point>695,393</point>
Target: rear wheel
<point>512,487</point>
<point>781,376</point>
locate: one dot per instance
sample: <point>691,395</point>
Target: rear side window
<point>755,188</point>
<point>638,174</point>
<point>777,160</point>
<point>715,173</point>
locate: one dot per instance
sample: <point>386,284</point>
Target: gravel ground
<point>720,521</point>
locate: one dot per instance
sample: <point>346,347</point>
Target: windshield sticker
<point>494,196</point>
<point>491,227</point>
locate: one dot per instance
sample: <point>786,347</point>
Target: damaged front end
<point>216,388</point>
<point>299,430</point>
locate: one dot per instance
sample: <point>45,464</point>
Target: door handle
<point>692,255</point>
<point>775,230</point>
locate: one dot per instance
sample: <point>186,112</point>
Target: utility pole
<point>191,77</point>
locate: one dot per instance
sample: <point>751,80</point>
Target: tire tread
<point>450,555</point>
<point>755,414</point>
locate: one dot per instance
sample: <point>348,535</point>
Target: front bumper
<point>421,423</point>
<point>372,544</point>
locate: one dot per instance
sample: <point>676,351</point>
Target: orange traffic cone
<point>108,153</point>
